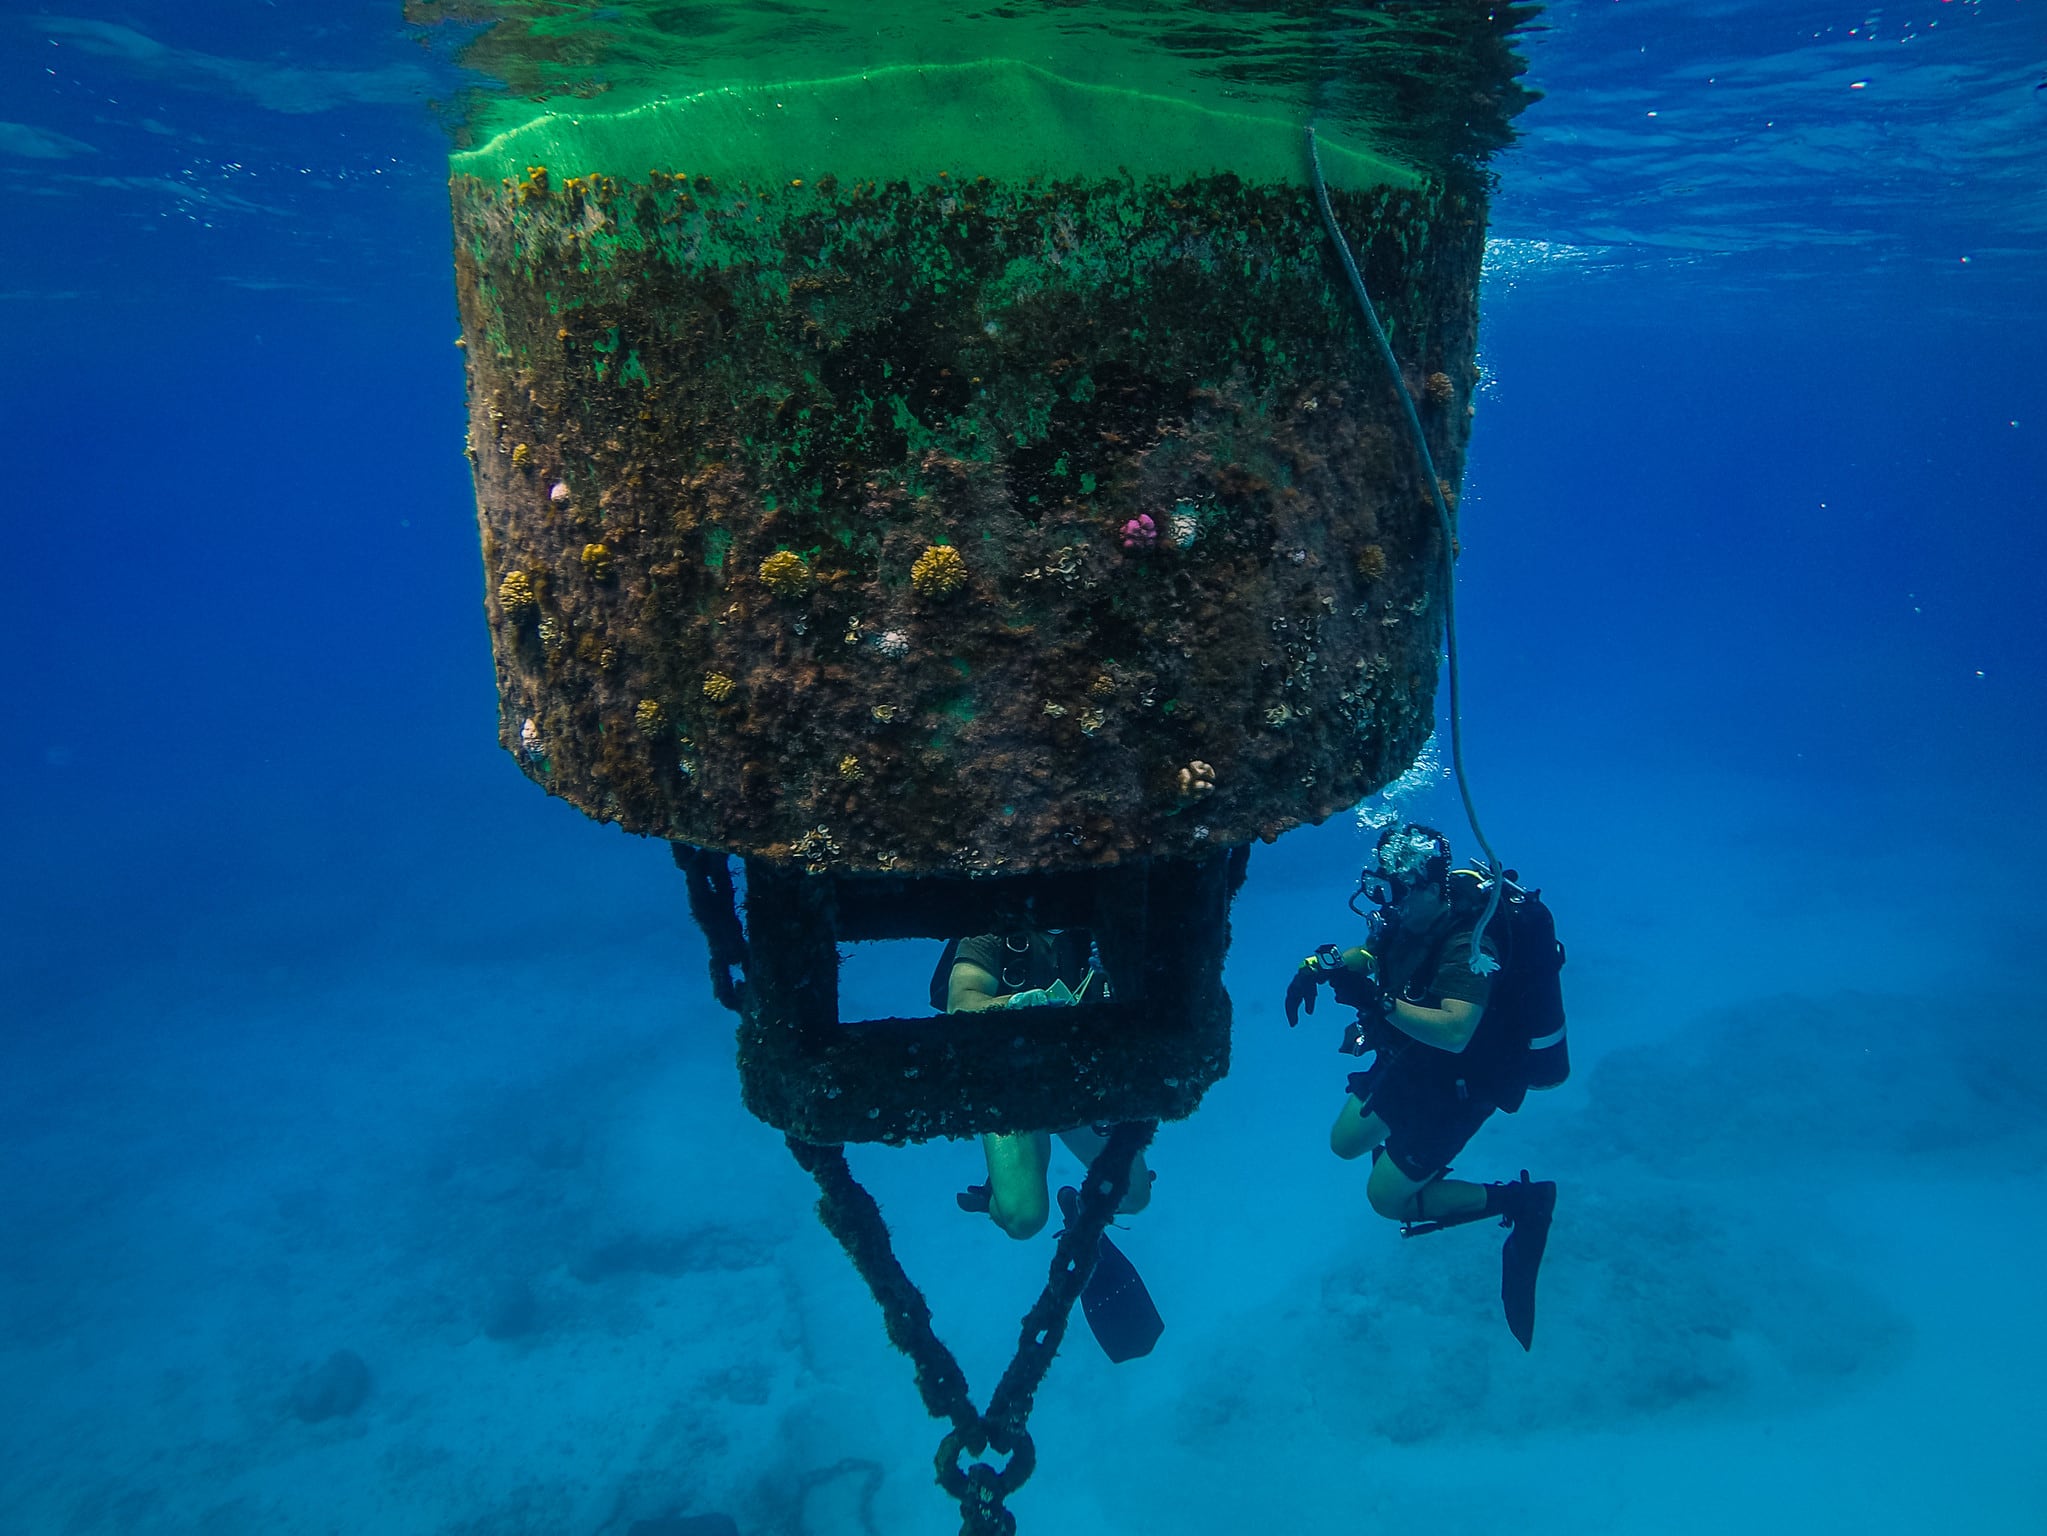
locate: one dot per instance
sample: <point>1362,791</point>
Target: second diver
<point>1456,1030</point>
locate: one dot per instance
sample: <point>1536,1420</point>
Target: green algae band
<point>955,469</point>
<point>996,118</point>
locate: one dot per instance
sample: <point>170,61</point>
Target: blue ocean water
<point>321,1029</point>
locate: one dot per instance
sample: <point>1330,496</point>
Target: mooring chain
<point>714,903</point>
<point>850,1214</point>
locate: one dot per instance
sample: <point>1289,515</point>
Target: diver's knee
<point>1020,1218</point>
<point>1395,1204</point>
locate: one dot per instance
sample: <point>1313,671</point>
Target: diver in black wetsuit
<point>1443,1060</point>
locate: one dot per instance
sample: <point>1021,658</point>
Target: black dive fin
<point>1119,1310</point>
<point>1522,1258</point>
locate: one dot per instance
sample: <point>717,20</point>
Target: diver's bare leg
<point>1017,1200</point>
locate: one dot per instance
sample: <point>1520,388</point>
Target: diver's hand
<point>1361,990</point>
<point>1325,962</point>
<point>1041,997</point>
<point>1300,993</point>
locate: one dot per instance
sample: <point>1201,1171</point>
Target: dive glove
<point>1327,961</point>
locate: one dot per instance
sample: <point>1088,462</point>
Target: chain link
<point>850,1214</point>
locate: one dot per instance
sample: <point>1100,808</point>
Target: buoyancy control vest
<point>1521,1042</point>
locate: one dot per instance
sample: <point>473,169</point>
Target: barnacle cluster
<point>1064,566</point>
<point>938,572</point>
<point>718,687</point>
<point>784,573</point>
<point>515,595</point>
<point>816,848</point>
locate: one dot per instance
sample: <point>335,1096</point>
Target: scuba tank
<point>1538,989</point>
<point>1533,1049</point>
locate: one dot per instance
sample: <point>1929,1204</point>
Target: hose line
<point>1480,963</point>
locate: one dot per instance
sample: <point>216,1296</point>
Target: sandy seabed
<point>1790,1284</point>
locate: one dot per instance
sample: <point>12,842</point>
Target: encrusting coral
<point>650,715</point>
<point>784,573</point>
<point>515,595</point>
<point>718,687</point>
<point>939,572</point>
<point>597,561</point>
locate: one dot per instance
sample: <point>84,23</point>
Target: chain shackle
<point>981,1487</point>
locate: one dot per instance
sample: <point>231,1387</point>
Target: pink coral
<point>1140,532</point>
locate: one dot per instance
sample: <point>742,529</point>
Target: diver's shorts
<point>1429,1114</point>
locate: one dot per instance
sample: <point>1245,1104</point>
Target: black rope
<point>1446,528</point>
<point>714,903</point>
<point>850,1214</point>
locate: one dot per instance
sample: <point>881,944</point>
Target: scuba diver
<point>1033,968</point>
<point>1028,969</point>
<point>1459,1003</point>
